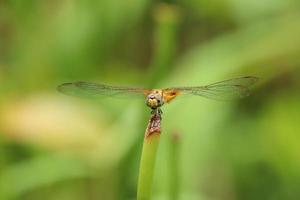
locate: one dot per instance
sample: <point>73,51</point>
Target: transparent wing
<point>94,90</point>
<point>224,90</point>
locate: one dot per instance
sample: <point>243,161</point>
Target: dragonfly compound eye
<point>152,103</point>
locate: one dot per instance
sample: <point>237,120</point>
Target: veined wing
<point>94,90</point>
<point>224,90</point>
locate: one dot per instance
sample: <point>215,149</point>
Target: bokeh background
<point>57,147</point>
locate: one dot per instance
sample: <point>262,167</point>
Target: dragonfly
<point>230,89</point>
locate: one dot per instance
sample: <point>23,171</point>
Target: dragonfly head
<point>154,100</point>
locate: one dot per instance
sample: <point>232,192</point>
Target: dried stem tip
<point>153,125</point>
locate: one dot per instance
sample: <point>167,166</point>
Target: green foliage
<point>56,147</point>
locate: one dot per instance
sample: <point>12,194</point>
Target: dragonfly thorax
<point>154,100</point>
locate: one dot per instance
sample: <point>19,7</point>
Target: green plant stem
<point>174,166</point>
<point>166,17</point>
<point>147,163</point>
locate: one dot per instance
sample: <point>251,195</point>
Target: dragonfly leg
<point>154,111</point>
<point>157,111</point>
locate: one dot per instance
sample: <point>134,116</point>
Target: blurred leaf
<point>39,172</point>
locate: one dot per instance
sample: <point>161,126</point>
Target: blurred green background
<point>56,147</point>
